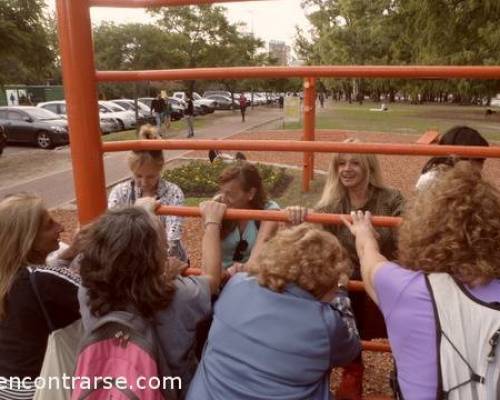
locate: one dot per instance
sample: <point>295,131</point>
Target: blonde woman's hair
<point>305,255</point>
<point>454,227</point>
<point>334,191</point>
<point>155,157</point>
<point>21,217</point>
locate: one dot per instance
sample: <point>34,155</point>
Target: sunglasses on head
<point>240,248</point>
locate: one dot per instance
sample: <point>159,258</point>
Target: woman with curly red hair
<point>444,289</point>
<point>280,328</point>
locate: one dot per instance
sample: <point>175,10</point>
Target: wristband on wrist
<point>210,223</point>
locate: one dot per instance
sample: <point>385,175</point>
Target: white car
<point>495,102</point>
<point>207,105</point>
<point>143,110</point>
<point>126,119</point>
<point>106,123</point>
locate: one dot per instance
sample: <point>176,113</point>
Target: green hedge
<point>199,178</point>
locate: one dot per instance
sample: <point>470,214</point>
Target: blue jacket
<point>272,346</point>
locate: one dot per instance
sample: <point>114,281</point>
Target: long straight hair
<point>334,191</point>
<point>21,217</point>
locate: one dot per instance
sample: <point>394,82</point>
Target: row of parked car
<point>46,124</point>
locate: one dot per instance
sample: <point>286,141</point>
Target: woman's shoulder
<point>120,193</point>
<point>169,189</point>
<point>271,205</point>
<point>55,273</point>
<point>387,192</point>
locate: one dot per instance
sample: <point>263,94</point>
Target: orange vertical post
<point>79,76</point>
<point>309,122</point>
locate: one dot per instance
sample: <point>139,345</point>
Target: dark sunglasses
<point>240,248</point>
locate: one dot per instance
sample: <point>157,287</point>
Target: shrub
<point>200,178</point>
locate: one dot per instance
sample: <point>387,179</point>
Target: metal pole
<point>80,91</point>
<point>309,93</point>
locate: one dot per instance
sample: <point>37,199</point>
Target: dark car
<point>3,140</point>
<point>26,124</point>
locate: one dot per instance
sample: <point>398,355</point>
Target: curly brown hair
<point>124,264</point>
<point>306,255</point>
<point>454,227</point>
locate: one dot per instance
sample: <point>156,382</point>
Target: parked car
<point>495,102</point>
<point>126,119</point>
<point>177,109</point>
<point>143,111</point>
<point>28,124</point>
<point>206,105</point>
<point>224,93</point>
<point>3,139</point>
<point>224,103</point>
<point>58,107</point>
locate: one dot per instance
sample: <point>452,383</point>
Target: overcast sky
<point>270,20</point>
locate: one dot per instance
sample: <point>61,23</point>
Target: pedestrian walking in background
<point>243,106</point>
<point>189,115</point>
<point>158,107</point>
<point>321,98</point>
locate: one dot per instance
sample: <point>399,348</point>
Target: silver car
<point>106,123</point>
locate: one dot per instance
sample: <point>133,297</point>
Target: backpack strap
<point>394,383</point>
<point>164,368</point>
<point>39,299</point>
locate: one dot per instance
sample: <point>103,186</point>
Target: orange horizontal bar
<point>337,71</point>
<point>370,345</point>
<point>269,215</point>
<point>356,286</point>
<point>155,3</point>
<point>300,146</point>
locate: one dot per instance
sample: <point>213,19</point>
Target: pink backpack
<point>116,361</point>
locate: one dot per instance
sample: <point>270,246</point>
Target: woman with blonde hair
<point>146,167</point>
<point>354,182</point>
<point>280,328</point>
<point>34,299</point>
<point>441,299</point>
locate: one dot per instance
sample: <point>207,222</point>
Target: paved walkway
<point>57,189</point>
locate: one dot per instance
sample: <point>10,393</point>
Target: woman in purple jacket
<point>447,278</point>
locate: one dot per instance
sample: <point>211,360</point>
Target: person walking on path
<point>167,115</point>
<point>243,106</point>
<point>189,114</point>
<point>321,98</point>
<point>158,107</point>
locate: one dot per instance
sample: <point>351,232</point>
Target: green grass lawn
<point>177,129</point>
<point>403,118</point>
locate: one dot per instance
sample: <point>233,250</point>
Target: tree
<point>449,32</point>
<point>25,55</point>
<point>204,37</point>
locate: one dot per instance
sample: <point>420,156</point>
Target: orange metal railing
<point>344,71</point>
<point>270,215</point>
<point>81,79</point>
<point>155,3</point>
<point>301,146</point>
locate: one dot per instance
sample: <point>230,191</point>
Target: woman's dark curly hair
<point>124,264</point>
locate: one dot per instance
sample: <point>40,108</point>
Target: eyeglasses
<point>240,248</point>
